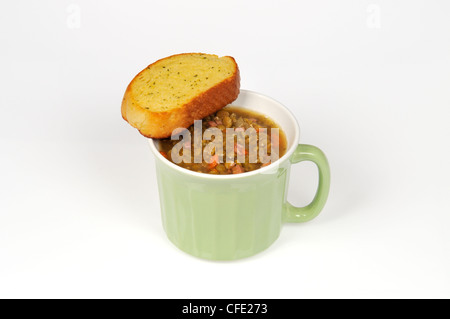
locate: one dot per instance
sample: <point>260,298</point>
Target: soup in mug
<point>232,141</point>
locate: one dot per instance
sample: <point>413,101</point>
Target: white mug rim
<point>262,170</point>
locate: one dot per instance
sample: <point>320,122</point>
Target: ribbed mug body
<point>222,219</point>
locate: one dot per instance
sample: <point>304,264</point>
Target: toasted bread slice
<point>175,91</point>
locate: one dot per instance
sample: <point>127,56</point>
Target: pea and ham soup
<point>242,157</point>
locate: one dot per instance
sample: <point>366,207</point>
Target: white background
<point>369,82</point>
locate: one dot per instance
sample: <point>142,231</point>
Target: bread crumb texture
<point>172,82</point>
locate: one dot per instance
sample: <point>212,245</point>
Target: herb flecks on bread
<point>176,91</point>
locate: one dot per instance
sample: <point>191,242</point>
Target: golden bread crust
<point>161,124</point>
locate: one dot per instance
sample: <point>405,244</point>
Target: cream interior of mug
<point>266,106</point>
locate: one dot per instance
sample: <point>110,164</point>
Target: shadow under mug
<point>228,217</point>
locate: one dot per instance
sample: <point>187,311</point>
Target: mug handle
<point>311,153</point>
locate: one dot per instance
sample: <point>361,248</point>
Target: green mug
<point>228,217</point>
